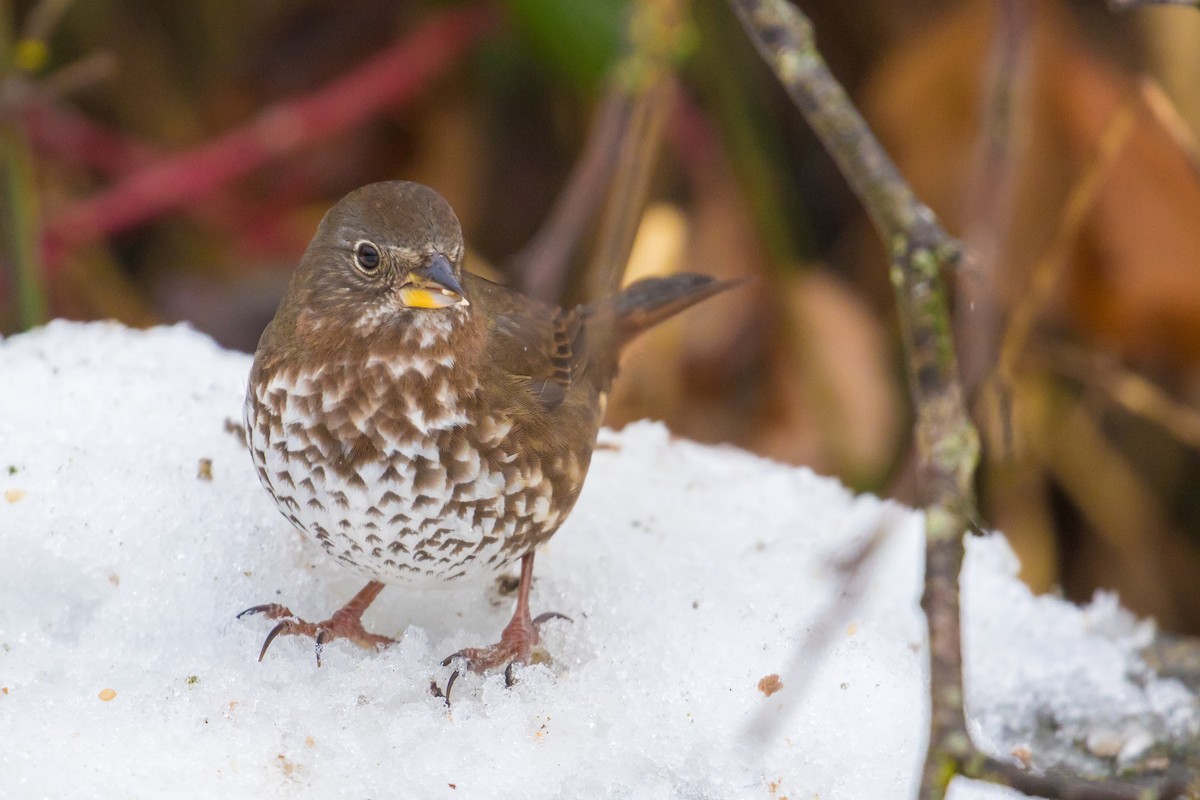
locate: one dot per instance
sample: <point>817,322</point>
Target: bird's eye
<point>366,255</point>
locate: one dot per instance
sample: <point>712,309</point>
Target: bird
<point>422,424</point>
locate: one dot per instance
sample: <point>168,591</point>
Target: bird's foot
<point>516,646</point>
<point>346,623</point>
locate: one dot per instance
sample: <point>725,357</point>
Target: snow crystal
<point>133,529</point>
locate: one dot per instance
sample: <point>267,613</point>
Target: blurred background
<point>169,161</point>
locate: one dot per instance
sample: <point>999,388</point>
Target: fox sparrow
<point>422,424</point>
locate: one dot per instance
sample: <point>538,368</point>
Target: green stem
<point>7,34</point>
<point>20,222</point>
<point>18,217</point>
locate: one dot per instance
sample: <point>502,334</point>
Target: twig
<point>6,35</point>
<point>77,75</point>
<point>541,266</point>
<point>1133,392</point>
<point>656,38</point>
<point>43,19</point>
<point>1126,5</point>
<point>1064,786</point>
<point>989,201</point>
<point>615,168</point>
<point>627,193</point>
<point>947,442</point>
<point>18,217</point>
<point>389,79</point>
<point>1079,204</point>
<point>61,133</point>
<point>20,226</point>
<point>1101,482</point>
<point>1163,110</point>
<point>1137,395</point>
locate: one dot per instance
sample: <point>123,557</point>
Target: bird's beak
<point>432,285</point>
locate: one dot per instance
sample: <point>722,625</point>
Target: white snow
<point>691,573</point>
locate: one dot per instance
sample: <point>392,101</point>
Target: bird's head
<point>387,254</point>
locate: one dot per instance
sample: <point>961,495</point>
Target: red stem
<point>62,134</point>
<point>68,136</point>
<point>392,78</point>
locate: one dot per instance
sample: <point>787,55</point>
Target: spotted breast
<point>397,466</point>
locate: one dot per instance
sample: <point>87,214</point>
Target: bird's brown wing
<point>559,355</point>
<point>532,342</point>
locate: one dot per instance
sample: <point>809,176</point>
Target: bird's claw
<point>344,624</point>
<point>270,610</point>
<point>515,647</point>
<point>278,629</point>
<point>449,686</point>
<point>295,627</point>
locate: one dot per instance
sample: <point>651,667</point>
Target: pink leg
<point>346,623</point>
<point>516,641</point>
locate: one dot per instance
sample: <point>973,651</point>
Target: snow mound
<point>133,529</point>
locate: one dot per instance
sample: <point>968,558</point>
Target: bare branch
<point>540,267</point>
<point>1126,5</point>
<point>990,194</point>
<point>43,18</point>
<point>627,193</point>
<point>947,441</point>
<point>1163,110</point>
<point>1063,786</point>
<point>1079,204</point>
<point>1129,390</point>
<point>614,171</point>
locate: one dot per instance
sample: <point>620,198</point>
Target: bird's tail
<point>614,322</point>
